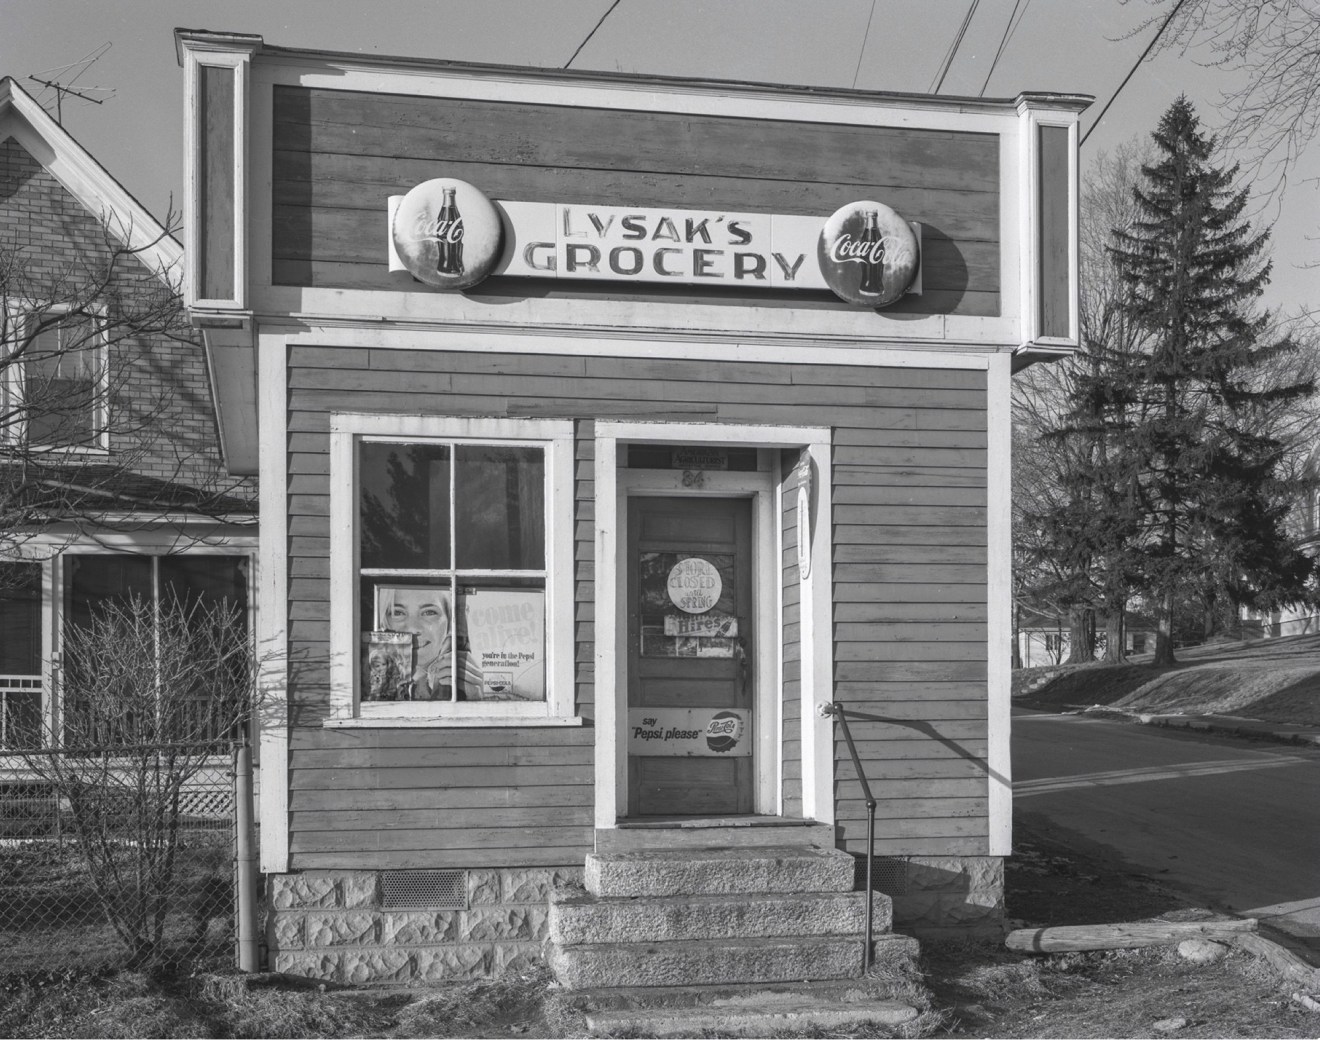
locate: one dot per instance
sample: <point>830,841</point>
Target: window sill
<point>69,449</point>
<point>454,722</point>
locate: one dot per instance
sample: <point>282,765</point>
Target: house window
<point>57,391</point>
<point>20,655</point>
<point>458,567</point>
<point>188,582</point>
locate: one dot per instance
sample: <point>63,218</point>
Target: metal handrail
<point>837,711</point>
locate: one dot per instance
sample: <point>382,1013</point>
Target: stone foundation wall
<point>332,925</point>
<point>948,896</point>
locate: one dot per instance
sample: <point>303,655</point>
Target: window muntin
<point>451,585</point>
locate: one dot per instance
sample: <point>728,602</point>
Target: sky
<point>1070,46</point>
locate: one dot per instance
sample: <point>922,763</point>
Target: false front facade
<point>611,430</point>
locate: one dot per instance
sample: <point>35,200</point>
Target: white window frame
<point>555,436</point>
<point>13,385</point>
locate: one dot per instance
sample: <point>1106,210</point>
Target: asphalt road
<point>1232,822</point>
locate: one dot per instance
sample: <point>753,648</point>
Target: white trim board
<point>649,317</point>
<point>999,592</point>
<point>273,606</point>
<point>611,487</point>
<point>376,335</point>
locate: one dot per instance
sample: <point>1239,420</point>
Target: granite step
<point>714,871</point>
<point>578,918</point>
<point>723,833</point>
<point>702,962</point>
<point>887,998</point>
<point>764,1019</point>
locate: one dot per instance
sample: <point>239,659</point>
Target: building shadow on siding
<point>945,283</point>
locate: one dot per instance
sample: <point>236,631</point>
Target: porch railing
<point>840,715</point>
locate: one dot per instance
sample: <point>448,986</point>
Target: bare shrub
<point>154,692</point>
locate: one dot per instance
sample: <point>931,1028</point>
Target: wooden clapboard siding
<point>909,565</point>
<point>338,155</point>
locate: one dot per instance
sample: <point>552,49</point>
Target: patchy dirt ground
<point>978,989</point>
<point>986,990</point>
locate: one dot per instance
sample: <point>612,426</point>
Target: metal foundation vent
<point>424,889</point>
<point>889,875</point>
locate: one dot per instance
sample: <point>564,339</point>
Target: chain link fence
<point>109,859</point>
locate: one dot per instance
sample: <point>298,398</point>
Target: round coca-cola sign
<point>447,233</point>
<point>868,254</point>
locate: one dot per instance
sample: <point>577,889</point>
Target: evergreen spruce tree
<point>1187,406</point>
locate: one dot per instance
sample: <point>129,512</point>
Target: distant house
<point>110,477</point>
<point>1044,639</point>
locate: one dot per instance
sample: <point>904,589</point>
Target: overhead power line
<point>1132,72</point>
<point>938,82</point>
<point>865,36</point>
<point>608,11</point>
<point>1010,27</point>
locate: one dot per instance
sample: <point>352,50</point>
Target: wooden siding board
<point>350,186</point>
<point>437,776</point>
<point>430,859</point>
<point>461,817</point>
<point>915,535</point>
<point>432,799</point>
<point>430,839</point>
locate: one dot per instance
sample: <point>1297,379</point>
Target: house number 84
<point>694,478</point>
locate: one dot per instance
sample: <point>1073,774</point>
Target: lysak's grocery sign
<point>442,234</point>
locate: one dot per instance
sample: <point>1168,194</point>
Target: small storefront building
<point>609,429</point>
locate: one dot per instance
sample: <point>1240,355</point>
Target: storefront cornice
<point>311,59</point>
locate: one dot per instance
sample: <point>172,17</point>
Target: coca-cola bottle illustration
<point>873,266</point>
<point>449,235</point>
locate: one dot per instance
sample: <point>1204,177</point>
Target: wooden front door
<point>691,732</point>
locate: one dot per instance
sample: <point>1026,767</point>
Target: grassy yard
<point>1275,680</point>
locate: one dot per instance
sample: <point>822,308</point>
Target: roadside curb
<point>1229,726</point>
<point>1247,728</point>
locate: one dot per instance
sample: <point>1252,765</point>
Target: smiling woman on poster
<point>427,614</point>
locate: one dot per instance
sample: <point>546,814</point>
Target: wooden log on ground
<point>1070,938</point>
<point>1281,959</point>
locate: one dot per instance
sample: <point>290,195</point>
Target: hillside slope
<point>1276,680</point>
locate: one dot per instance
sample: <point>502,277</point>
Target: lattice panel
<point>209,802</point>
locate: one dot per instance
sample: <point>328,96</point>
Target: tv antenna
<point>61,79</point>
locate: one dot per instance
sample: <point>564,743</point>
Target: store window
<point>58,391</point>
<point>460,598</point>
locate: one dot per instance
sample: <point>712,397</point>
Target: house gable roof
<point>88,181</point>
